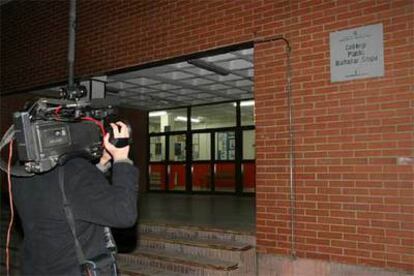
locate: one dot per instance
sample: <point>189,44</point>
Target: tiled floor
<point>217,211</point>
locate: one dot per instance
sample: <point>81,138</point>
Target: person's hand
<point>105,158</point>
<point>120,130</point>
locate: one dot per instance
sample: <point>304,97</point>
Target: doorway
<point>215,154</point>
<point>200,120</point>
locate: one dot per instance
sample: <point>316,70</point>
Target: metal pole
<point>291,155</point>
<point>71,45</point>
<point>292,184</point>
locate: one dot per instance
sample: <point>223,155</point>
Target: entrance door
<point>156,169</point>
<point>201,169</point>
<point>224,165</point>
<point>213,167</point>
<point>167,167</point>
<point>214,151</point>
<point>177,162</point>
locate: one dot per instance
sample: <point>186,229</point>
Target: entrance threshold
<point>227,212</point>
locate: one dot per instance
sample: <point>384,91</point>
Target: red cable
<point>100,125</point>
<point>11,208</point>
<point>58,109</point>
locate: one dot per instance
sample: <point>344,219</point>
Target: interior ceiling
<point>187,83</point>
<point>216,78</point>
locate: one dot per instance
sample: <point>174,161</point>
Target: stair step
<point>127,269</point>
<point>179,259</point>
<point>199,232</point>
<point>198,242</point>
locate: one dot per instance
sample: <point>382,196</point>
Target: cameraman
<point>49,247</point>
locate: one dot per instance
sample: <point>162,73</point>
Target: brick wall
<point>355,204</point>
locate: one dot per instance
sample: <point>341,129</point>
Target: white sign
<point>357,53</point>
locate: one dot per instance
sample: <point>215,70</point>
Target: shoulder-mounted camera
<point>51,131</point>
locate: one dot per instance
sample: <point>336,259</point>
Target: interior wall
<point>139,125</point>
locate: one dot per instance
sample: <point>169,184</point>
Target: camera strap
<point>95,266</point>
<point>70,218</point>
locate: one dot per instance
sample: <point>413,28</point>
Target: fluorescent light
<point>184,119</point>
<point>245,103</point>
<point>157,113</point>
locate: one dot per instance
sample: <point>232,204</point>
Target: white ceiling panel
<point>212,79</point>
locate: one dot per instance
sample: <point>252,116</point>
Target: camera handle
<point>120,142</point>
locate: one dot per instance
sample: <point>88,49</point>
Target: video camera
<point>51,131</point>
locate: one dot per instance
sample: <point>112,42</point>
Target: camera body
<point>43,144</point>
<point>51,131</point>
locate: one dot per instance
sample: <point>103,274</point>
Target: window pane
<point>157,148</point>
<point>225,177</point>
<point>167,120</point>
<point>201,177</point>
<point>201,146</point>
<point>249,147</point>
<point>213,116</point>
<point>177,147</point>
<point>225,145</point>
<point>247,112</point>
<point>176,177</point>
<point>157,176</point>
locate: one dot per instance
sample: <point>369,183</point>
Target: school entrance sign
<point>357,53</point>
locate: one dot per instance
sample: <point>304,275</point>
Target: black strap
<point>70,218</point>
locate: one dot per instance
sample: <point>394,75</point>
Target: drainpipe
<point>292,185</point>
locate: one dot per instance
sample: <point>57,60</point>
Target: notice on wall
<point>357,53</point>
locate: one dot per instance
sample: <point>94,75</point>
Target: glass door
<point>224,161</point>
<point>206,148</point>
<point>201,168</point>
<point>167,166</point>
<point>176,167</point>
<point>157,170</point>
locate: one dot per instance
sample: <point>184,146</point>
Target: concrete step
<point>197,232</point>
<point>232,251</point>
<point>126,269</point>
<point>200,242</point>
<point>185,264</point>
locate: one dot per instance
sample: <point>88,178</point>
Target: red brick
<point>349,133</point>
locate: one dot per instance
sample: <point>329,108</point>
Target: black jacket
<point>48,243</point>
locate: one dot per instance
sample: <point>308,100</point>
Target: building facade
<point>334,178</point>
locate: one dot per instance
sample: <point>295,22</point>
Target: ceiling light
<point>184,119</point>
<point>157,113</point>
<point>245,103</point>
<point>209,66</point>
